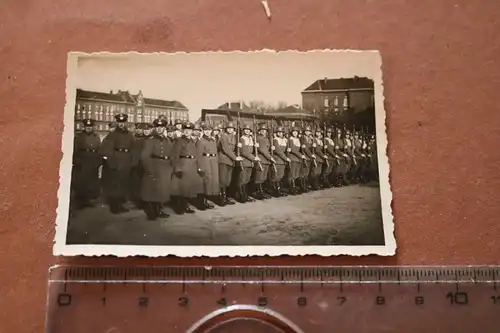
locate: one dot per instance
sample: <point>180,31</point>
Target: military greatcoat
<point>186,180</point>
<point>116,149</point>
<point>86,163</point>
<point>157,163</point>
<point>208,162</point>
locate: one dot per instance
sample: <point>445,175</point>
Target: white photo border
<point>62,249</point>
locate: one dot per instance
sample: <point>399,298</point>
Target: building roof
<point>159,102</point>
<point>121,97</point>
<point>236,106</point>
<point>126,97</point>
<point>341,84</point>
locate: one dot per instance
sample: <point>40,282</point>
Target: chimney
<point>111,92</point>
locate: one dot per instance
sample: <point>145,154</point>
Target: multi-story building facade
<point>341,99</point>
<point>102,107</point>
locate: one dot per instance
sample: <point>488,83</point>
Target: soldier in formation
<point>86,162</point>
<point>188,166</point>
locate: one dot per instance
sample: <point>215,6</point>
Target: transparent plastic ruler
<point>268,299</point>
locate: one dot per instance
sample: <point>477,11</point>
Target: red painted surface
<point>440,65</point>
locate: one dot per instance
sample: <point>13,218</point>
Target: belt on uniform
<point>209,155</point>
<point>123,150</point>
<point>89,150</point>
<point>160,157</point>
<point>187,156</point>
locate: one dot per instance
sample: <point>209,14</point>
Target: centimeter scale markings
<point>273,299</point>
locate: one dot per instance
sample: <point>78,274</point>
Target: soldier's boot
<point>258,192</point>
<point>297,184</point>
<point>198,202</point>
<point>159,210</point>
<point>310,183</point>
<point>207,204</point>
<point>115,207</point>
<point>179,206</point>
<point>247,196</point>
<point>273,190</point>
<point>227,201</point>
<point>185,206</point>
<point>219,199</point>
<point>279,191</point>
<point>238,195</point>
<point>267,189</point>
<point>150,211</point>
<point>293,189</point>
<point>302,185</point>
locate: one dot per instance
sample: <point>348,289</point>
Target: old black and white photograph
<point>224,154</point>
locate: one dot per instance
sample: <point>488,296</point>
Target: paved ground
<point>336,216</point>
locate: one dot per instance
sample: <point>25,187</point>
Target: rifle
<point>324,146</point>
<point>314,146</point>
<point>238,135</point>
<point>256,151</point>
<point>271,140</point>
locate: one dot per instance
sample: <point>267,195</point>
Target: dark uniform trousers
<point>86,163</point>
<point>117,149</point>
<point>247,154</point>
<point>306,146</point>
<point>227,161</point>
<point>296,162</point>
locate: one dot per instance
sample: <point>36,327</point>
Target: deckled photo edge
<point>65,165</point>
<point>61,248</point>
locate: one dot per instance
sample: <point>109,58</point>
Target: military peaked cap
<point>188,125</point>
<point>280,129</point>
<point>88,122</point>
<point>159,123</point>
<point>121,117</point>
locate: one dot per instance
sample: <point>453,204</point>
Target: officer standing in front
<point>86,163</point>
<point>116,150</point>
<point>157,164</point>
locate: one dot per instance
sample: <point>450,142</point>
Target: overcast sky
<point>207,80</point>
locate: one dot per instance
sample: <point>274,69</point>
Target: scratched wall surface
<point>441,72</point>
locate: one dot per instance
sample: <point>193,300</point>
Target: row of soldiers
<point>185,165</point>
